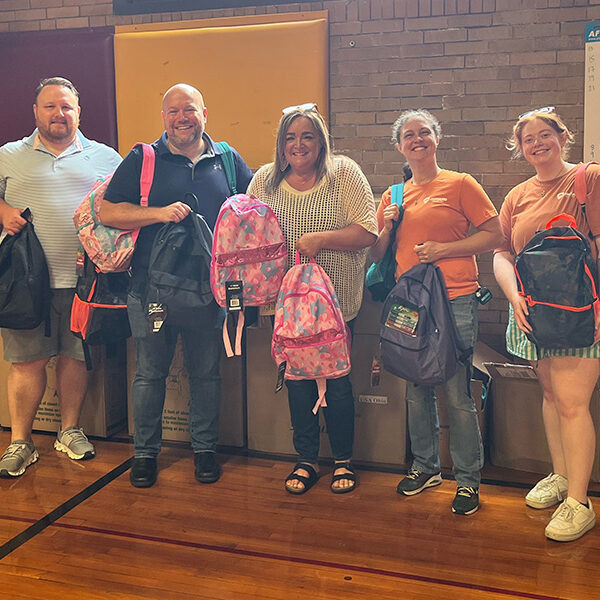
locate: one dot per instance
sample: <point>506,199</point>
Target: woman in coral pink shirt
<point>567,376</point>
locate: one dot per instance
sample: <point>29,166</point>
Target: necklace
<point>563,169</point>
<point>543,182</point>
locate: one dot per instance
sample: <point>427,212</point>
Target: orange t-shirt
<point>441,211</point>
<point>530,205</point>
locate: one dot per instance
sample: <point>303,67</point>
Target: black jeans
<point>339,416</point>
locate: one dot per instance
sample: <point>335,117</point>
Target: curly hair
<point>421,113</point>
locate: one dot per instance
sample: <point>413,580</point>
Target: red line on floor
<point>306,561</point>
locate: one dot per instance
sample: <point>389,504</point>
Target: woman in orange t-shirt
<point>567,376</point>
<point>440,207</point>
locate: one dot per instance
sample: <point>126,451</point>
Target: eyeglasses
<point>305,106</point>
<point>544,110</point>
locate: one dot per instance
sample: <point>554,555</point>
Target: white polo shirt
<point>52,187</point>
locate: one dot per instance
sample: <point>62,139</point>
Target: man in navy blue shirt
<point>187,161</point>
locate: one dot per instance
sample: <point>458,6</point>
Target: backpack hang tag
<point>234,295</point>
<point>267,310</point>
<point>376,370</point>
<point>157,313</point>
<point>280,376</point>
<point>80,264</point>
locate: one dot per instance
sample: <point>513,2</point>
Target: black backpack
<point>99,311</point>
<point>178,285</point>
<point>419,339</point>
<point>25,294</point>
<point>557,275</point>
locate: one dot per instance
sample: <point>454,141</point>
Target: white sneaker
<point>549,491</point>
<point>570,521</point>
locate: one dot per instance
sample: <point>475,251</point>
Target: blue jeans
<point>466,447</point>
<point>339,416</point>
<point>154,352</point>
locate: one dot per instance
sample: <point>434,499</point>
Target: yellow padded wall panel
<point>225,21</point>
<point>247,74</point>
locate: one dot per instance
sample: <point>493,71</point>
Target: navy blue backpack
<point>419,339</point>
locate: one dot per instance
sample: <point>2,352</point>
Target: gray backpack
<point>419,340</point>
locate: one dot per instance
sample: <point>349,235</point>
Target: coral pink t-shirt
<point>530,205</point>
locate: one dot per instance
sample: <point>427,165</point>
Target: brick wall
<point>476,64</point>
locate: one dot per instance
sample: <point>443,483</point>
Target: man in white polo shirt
<point>49,172</point>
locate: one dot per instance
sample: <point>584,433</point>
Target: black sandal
<point>351,476</point>
<point>308,482</point>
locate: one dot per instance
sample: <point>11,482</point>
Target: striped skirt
<point>518,344</point>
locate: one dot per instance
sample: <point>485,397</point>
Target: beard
<point>186,138</point>
<point>57,131</point>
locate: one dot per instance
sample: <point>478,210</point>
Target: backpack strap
<point>398,194</point>
<point>580,187</point>
<point>297,260</point>
<point>146,178</point>
<point>397,198</point>
<point>228,165</point>
<point>229,351</point>
<point>563,216</point>
<point>321,388</point>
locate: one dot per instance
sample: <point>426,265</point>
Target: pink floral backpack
<point>249,257</point>
<point>310,334</point>
<point>109,248</point>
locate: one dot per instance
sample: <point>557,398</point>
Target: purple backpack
<point>248,248</point>
<point>310,334</point>
<point>419,339</point>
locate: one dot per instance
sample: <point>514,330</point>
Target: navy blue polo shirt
<point>174,176</point>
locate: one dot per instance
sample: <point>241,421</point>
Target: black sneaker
<point>466,501</point>
<point>207,468</point>
<point>416,481</point>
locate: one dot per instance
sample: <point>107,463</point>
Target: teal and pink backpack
<point>249,255</point>
<point>109,248</point>
<point>310,334</point>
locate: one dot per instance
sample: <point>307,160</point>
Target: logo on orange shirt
<point>565,195</point>
<point>435,200</point>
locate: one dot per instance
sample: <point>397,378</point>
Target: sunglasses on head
<point>305,106</point>
<point>544,110</point>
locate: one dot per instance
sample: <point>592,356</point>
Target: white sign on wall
<point>591,135</point>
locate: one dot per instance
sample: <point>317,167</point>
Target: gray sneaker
<point>74,442</point>
<point>17,457</point>
<point>416,481</point>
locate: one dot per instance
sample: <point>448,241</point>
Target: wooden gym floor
<point>79,530</point>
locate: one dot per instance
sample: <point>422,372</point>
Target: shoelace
<point>413,474</point>
<point>546,484</point>
<point>13,449</point>
<point>465,491</point>
<point>565,512</point>
<point>75,434</point>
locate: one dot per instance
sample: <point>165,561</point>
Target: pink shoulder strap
<point>147,174</point>
<point>580,188</point>
<point>146,178</point>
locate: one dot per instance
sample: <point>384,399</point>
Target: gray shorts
<point>26,345</point>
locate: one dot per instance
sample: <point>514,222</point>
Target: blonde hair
<point>280,167</point>
<point>515,142</point>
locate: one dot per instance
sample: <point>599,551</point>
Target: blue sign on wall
<point>592,32</point>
